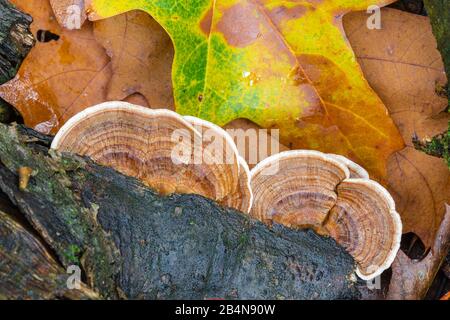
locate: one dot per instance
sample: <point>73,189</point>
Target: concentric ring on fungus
<point>215,138</point>
<point>158,147</point>
<point>310,189</point>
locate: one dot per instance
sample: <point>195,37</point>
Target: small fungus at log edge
<point>24,177</point>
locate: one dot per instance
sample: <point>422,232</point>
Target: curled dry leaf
<point>279,64</point>
<point>141,54</point>
<point>137,99</point>
<point>402,64</point>
<point>59,78</point>
<point>411,279</point>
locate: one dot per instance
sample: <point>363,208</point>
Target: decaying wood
<point>411,279</point>
<point>27,270</point>
<point>15,39</point>
<point>133,243</point>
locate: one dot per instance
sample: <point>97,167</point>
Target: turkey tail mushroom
<point>364,221</point>
<point>218,146</point>
<point>296,188</point>
<point>243,197</point>
<point>158,147</point>
<point>356,171</point>
<point>310,189</point>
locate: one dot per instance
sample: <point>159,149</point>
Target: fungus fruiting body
<point>217,144</point>
<point>310,189</point>
<point>300,188</point>
<point>355,170</point>
<point>158,147</point>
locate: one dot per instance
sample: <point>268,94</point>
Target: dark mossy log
<point>439,13</point>
<point>27,270</point>
<point>15,39</point>
<point>15,42</point>
<point>133,243</point>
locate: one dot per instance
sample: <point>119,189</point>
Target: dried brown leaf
<point>141,53</point>
<point>411,279</point>
<point>58,78</point>
<point>402,64</point>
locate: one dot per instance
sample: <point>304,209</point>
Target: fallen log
<point>15,39</point>
<point>132,243</point>
<point>28,271</point>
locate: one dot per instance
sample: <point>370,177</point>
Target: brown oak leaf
<point>402,64</point>
<point>60,77</point>
<point>141,53</point>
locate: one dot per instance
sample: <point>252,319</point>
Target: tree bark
<point>28,271</point>
<point>15,39</point>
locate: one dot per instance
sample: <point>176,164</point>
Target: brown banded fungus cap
<point>158,147</point>
<point>310,189</point>
<point>244,194</point>
<point>219,146</point>
<point>356,171</point>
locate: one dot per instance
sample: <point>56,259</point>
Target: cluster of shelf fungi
<point>297,222</point>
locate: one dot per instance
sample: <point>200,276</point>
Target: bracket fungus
<point>158,147</point>
<point>301,189</point>
<point>356,171</point>
<point>223,150</point>
<point>310,189</point>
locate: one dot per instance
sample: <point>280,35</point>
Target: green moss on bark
<point>438,146</point>
<point>439,13</point>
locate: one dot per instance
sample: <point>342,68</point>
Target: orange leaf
<point>141,54</point>
<point>59,78</point>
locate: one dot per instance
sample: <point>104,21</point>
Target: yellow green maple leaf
<point>280,63</point>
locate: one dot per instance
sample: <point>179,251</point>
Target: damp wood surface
<point>27,270</point>
<point>15,43</point>
<point>132,243</point>
<point>15,39</point>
